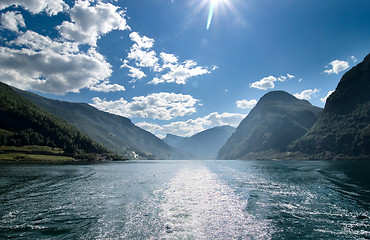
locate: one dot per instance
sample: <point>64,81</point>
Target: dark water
<point>186,200</point>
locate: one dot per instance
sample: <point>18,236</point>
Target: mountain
<point>343,130</point>
<point>278,119</point>
<point>114,132</point>
<point>206,143</point>
<point>22,123</point>
<point>172,140</point>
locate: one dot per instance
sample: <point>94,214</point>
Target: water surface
<point>186,200</point>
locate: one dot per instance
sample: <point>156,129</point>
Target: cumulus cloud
<point>245,104</point>
<point>140,52</point>
<point>306,94</point>
<point>337,66</point>
<point>265,83</point>
<point>107,87</point>
<point>326,97</point>
<point>12,20</point>
<point>168,58</point>
<point>51,7</point>
<point>193,126</point>
<point>163,106</point>
<point>180,73</point>
<point>89,23</point>
<point>42,64</point>
<point>135,73</point>
<point>268,82</point>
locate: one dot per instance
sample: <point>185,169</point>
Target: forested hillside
<point>23,123</point>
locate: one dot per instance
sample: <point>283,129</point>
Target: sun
<point>215,4</point>
<point>214,7</point>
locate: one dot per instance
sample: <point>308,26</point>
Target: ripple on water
<point>199,206</point>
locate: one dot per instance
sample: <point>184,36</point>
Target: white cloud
<point>42,64</point>
<point>193,126</point>
<point>141,42</point>
<point>36,42</point>
<point>245,104</point>
<point>51,7</point>
<point>89,23</point>
<point>306,94</point>
<point>11,21</point>
<point>265,83</point>
<point>163,106</point>
<point>168,58</point>
<point>282,78</point>
<point>326,97</point>
<point>337,66</point>
<point>135,73</point>
<point>353,59</point>
<point>107,87</point>
<point>141,53</point>
<point>268,82</point>
<point>180,73</point>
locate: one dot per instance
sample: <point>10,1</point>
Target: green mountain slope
<point>206,143</point>
<point>23,123</point>
<point>278,119</point>
<point>343,130</point>
<point>114,132</point>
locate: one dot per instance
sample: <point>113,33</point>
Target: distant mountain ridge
<point>278,119</point>
<point>172,139</point>
<point>343,130</point>
<point>205,145</point>
<point>116,133</point>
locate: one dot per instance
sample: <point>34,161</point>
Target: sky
<point>180,66</point>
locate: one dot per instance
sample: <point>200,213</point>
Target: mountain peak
<point>353,89</point>
<point>279,96</point>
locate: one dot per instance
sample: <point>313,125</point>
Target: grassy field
<point>32,153</point>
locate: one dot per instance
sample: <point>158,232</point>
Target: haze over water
<point>186,200</point>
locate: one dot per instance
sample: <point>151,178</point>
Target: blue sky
<point>156,62</point>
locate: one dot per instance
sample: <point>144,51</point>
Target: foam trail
<point>210,14</point>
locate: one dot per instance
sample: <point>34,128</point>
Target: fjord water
<point>186,200</point>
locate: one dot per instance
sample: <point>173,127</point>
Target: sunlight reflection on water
<point>199,206</point>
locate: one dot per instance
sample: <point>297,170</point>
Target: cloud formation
<point>265,83</point>
<point>51,7</point>
<point>180,73</point>
<point>306,94</point>
<point>245,104</point>
<point>337,66</point>
<point>268,82</point>
<point>142,54</point>
<point>193,126</point>
<point>51,66</point>
<point>162,106</point>
<point>89,23</point>
<point>326,97</point>
<point>107,87</point>
<point>12,20</point>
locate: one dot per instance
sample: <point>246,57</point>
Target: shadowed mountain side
<point>206,144</point>
<point>343,130</point>
<point>22,123</point>
<point>278,119</point>
<point>172,140</point>
<point>114,132</point>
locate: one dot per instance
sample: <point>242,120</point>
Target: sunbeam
<point>210,14</point>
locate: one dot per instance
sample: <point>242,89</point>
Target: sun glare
<point>213,6</point>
